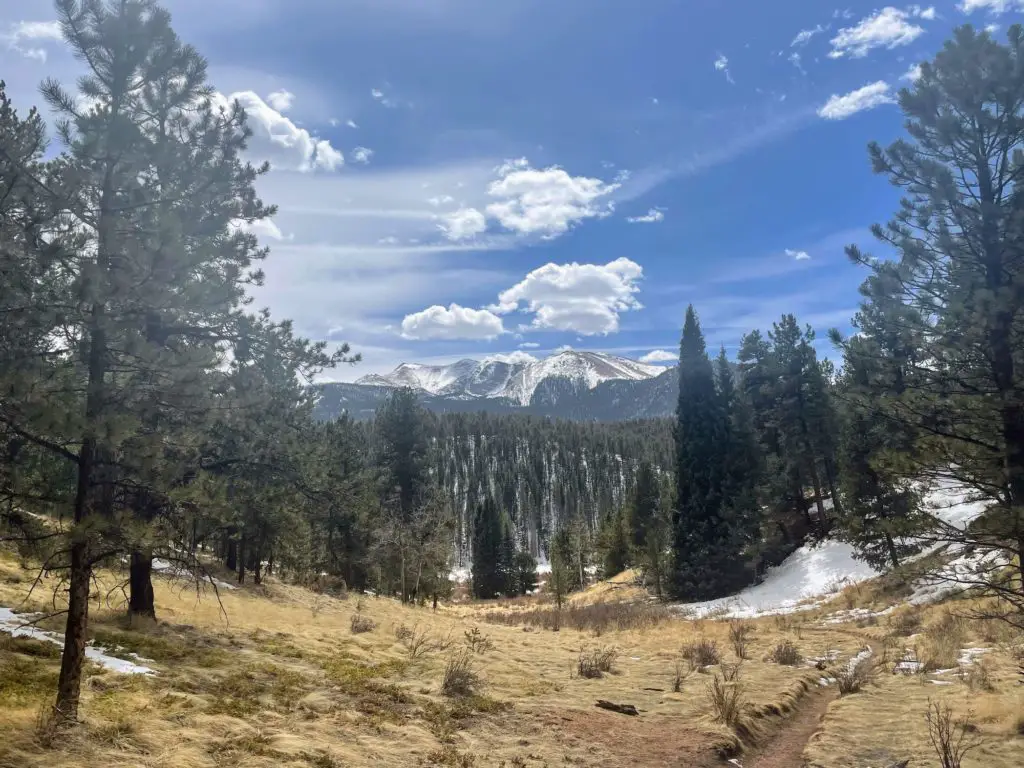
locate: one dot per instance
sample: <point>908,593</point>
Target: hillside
<point>282,677</point>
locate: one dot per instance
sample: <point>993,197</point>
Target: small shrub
<point>594,663</point>
<point>951,739</point>
<point>739,635</point>
<point>477,641</point>
<point>460,679</point>
<point>681,674</point>
<point>701,653</point>
<point>786,653</point>
<point>597,618</point>
<point>726,701</point>
<point>361,623</point>
<point>977,676</point>
<point>450,757</point>
<point>852,677</point>
<point>731,672</point>
<point>905,622</point>
<point>402,633</point>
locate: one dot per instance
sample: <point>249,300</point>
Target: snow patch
<point>14,624</point>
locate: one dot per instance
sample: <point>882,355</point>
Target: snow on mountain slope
<point>515,377</point>
<point>813,571</point>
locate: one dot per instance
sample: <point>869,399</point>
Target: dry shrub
<point>701,653</point>
<point>977,676</point>
<point>726,700</point>
<point>681,673</point>
<point>597,618</point>
<point>403,633</point>
<point>905,622</point>
<point>450,757</point>
<point>940,648</point>
<point>852,677</point>
<point>786,653</point>
<point>460,678</point>
<point>361,623</point>
<point>952,739</point>
<point>595,662</point>
<point>739,635</point>
<point>731,672</point>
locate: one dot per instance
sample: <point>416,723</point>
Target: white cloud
<point>794,59</point>
<point>281,100</point>
<point>992,6</point>
<point>463,224</point>
<point>868,97</point>
<point>439,200</point>
<point>455,322</point>
<point>380,98</point>
<point>280,141</point>
<point>583,298</point>
<point>913,74</point>
<point>529,345</point>
<point>362,155</point>
<point>928,14</point>
<point>798,255</point>
<point>512,358</point>
<point>546,202</point>
<point>992,28</point>
<point>351,123</point>
<point>887,28</point>
<point>660,356</point>
<point>805,35</point>
<point>722,65</point>
<point>24,37</point>
<point>653,216</point>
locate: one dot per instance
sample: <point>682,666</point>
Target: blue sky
<point>470,177</point>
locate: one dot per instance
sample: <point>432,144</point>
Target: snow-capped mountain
<point>513,377</point>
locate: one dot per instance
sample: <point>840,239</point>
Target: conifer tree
<point>704,564</point>
<point>649,526</point>
<point>957,284</point>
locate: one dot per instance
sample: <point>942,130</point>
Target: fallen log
<point>622,709</point>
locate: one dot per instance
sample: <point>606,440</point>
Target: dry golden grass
<point>279,679</point>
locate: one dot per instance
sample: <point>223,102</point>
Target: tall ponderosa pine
<point>959,284</point>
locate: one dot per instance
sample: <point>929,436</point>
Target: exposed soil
<point>618,741</point>
<point>785,748</point>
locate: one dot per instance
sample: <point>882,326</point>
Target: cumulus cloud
<point>870,96</point>
<point>887,28</point>
<point>798,255</point>
<point>453,322</point>
<point>281,100</point>
<point>656,356</point>
<point>463,224</point>
<point>351,123</point>
<point>913,74</point>
<point>512,358</point>
<point>992,6</point>
<point>583,298</point>
<point>653,216</point>
<point>804,35</point>
<point>722,65</point>
<point>545,202</point>
<point>25,37</point>
<point>362,155</point>
<point>280,141</point>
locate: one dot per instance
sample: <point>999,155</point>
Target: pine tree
<point>613,545</point>
<point>704,561</point>
<point>490,573</point>
<point>649,526</point>
<point>957,284</point>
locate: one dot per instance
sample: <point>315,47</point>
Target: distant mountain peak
<point>513,376</point>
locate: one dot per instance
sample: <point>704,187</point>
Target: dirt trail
<point>785,749</point>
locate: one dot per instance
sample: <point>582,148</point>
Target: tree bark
<point>241,561</point>
<point>893,556</point>
<point>231,557</point>
<point>69,684</point>
<point>141,603</point>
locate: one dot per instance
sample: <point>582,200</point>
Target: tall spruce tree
<point>704,563</point>
<point>959,284</point>
<point>649,527</point>
<point>492,574</point>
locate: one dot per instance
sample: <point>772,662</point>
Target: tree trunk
<point>231,558</point>
<point>893,556</point>
<point>141,602</point>
<point>241,561</point>
<point>257,569</point>
<point>69,684</point>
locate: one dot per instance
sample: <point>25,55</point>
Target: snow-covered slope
<point>514,377</point>
<point>813,571</point>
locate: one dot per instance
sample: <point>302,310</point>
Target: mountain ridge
<point>513,377</point>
